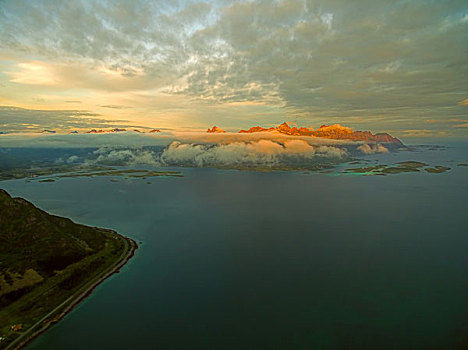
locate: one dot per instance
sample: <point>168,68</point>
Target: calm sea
<point>281,260</point>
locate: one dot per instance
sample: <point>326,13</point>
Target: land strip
<point>85,290</point>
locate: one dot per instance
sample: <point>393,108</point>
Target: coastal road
<point>78,296</point>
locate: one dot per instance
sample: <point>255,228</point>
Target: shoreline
<point>49,320</point>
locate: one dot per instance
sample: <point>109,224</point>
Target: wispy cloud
<point>14,119</point>
<point>115,106</point>
<point>424,133</point>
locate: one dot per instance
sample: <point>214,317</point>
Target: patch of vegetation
<point>397,168</point>
<point>437,169</point>
<point>66,171</point>
<point>41,171</point>
<point>364,170</point>
<point>135,173</point>
<point>411,164</point>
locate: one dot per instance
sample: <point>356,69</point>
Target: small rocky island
<point>48,264</point>
<point>410,166</point>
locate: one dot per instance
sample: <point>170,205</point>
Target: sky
<point>393,66</point>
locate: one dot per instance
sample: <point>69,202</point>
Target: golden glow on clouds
<point>33,73</point>
<point>397,67</point>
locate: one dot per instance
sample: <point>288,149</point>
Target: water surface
<point>251,260</point>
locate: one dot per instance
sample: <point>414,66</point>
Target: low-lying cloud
<point>252,154</point>
<point>258,150</point>
<point>256,153</point>
<point>371,149</point>
<point>109,156</point>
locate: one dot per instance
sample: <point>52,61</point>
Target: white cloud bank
<point>256,153</point>
<point>109,156</point>
<point>371,149</point>
<point>230,150</point>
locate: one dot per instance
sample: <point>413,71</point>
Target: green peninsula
<point>47,265</point>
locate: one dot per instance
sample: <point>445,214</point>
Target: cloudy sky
<point>397,66</point>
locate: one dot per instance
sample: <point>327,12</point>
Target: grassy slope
<point>65,255</point>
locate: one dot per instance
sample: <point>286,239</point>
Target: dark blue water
<point>250,260</point>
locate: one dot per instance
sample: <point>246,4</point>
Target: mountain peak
<point>215,129</point>
<point>334,131</point>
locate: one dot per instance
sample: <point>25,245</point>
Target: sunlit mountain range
<point>335,132</point>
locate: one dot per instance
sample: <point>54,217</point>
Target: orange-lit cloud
<point>34,73</point>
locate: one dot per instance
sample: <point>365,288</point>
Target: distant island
<point>48,264</point>
<point>335,131</point>
<point>410,166</point>
<point>215,129</point>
